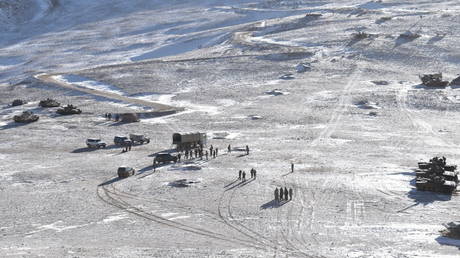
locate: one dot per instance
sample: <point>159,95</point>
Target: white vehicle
<point>95,143</point>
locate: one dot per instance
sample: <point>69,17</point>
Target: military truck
<point>187,141</point>
<point>26,117</point>
<point>138,139</point>
<point>433,80</point>
<point>49,103</point>
<point>69,110</point>
<point>436,176</point>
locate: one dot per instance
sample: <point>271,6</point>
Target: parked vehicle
<point>139,138</point>
<point>49,103</point>
<point>95,143</point>
<point>120,140</point>
<point>124,172</point>
<point>69,110</point>
<point>436,176</point>
<point>187,141</point>
<point>26,117</point>
<point>164,158</point>
<point>18,102</point>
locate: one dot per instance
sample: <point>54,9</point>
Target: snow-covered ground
<point>287,78</point>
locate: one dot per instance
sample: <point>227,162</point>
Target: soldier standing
<point>130,144</point>
<point>292,167</point>
<point>255,173</point>
<point>239,174</point>
<point>110,116</point>
<point>290,193</point>
<point>186,154</point>
<point>281,193</point>
<point>117,117</point>
<point>286,193</point>
<point>229,149</point>
<point>206,154</point>
<point>276,195</point>
<point>210,150</point>
<point>247,150</point>
<point>178,157</point>
<point>244,176</point>
<point>217,151</point>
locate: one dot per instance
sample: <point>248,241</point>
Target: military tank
<point>18,102</point>
<point>69,110</point>
<point>436,176</point>
<point>49,103</point>
<point>25,117</point>
<point>433,80</point>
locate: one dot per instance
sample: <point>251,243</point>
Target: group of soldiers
<point>109,116</point>
<point>283,194</point>
<point>242,174</point>
<point>199,152</point>
<point>127,145</point>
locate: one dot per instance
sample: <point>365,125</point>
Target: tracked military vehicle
<point>69,110</point>
<point>25,117</point>
<point>18,102</point>
<point>433,80</point>
<point>436,176</point>
<point>49,103</point>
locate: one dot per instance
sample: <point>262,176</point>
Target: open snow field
<point>287,78</point>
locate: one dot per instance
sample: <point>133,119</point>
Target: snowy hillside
<point>332,87</point>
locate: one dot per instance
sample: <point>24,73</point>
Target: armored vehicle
<point>139,138</point>
<point>49,103</point>
<point>436,184</point>
<point>18,102</point>
<point>69,110</point>
<point>164,158</point>
<point>124,172</point>
<point>25,117</point>
<point>433,80</point>
<point>436,176</point>
<point>187,141</point>
<point>95,143</point>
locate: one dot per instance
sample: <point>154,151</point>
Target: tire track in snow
<point>111,197</point>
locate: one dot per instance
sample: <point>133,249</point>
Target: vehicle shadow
<point>427,197</point>
<point>111,181</point>
<point>273,204</point>
<point>87,149</point>
<point>11,125</point>
<point>151,168</point>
